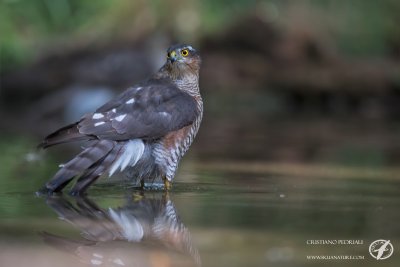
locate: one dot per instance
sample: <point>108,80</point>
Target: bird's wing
<point>148,111</point>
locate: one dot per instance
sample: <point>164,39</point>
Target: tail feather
<point>65,134</point>
<point>91,175</point>
<point>78,165</point>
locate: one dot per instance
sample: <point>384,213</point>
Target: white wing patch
<point>165,114</point>
<point>130,101</point>
<point>120,117</point>
<point>97,116</point>
<point>99,123</point>
<point>114,110</point>
<point>133,151</point>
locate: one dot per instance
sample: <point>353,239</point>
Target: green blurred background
<point>355,28</point>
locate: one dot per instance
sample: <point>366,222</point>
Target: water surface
<point>232,213</point>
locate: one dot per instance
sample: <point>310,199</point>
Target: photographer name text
<point>334,242</point>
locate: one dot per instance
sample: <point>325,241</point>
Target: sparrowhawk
<point>144,132</point>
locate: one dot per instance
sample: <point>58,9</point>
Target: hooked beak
<point>172,57</point>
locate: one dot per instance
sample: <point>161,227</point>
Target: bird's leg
<point>167,184</point>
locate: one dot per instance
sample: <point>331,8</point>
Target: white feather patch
<point>97,116</point>
<point>99,123</point>
<point>130,101</point>
<point>120,117</point>
<point>114,110</point>
<point>133,151</point>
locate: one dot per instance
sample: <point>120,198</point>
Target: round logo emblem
<point>381,249</point>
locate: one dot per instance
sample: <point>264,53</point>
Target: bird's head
<point>183,58</point>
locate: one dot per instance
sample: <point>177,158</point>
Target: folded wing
<point>148,111</point>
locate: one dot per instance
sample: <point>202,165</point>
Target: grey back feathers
<point>148,111</point>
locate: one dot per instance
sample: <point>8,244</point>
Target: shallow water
<point>218,214</point>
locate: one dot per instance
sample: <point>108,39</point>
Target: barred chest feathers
<point>171,148</point>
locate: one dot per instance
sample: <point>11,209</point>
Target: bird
<point>143,132</point>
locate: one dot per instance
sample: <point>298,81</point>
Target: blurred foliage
<point>359,27</point>
<point>25,24</point>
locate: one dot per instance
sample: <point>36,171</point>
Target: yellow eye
<point>185,52</point>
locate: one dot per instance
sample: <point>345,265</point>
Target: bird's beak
<point>172,57</point>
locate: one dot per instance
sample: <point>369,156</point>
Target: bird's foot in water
<point>157,186</point>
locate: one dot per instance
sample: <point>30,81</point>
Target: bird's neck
<point>186,80</point>
<point>189,84</point>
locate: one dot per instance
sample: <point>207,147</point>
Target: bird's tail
<point>65,134</point>
<point>89,164</point>
<point>96,170</point>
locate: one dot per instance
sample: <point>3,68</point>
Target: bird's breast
<point>169,149</point>
<point>176,139</point>
<point>176,143</point>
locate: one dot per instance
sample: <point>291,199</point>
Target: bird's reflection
<point>146,231</point>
